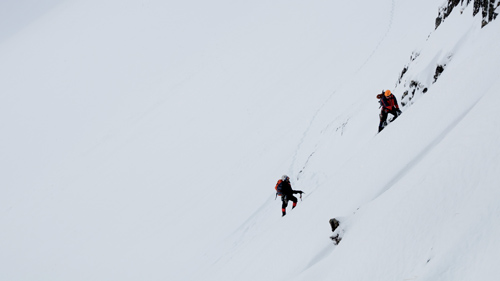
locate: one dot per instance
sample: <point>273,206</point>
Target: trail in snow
<point>305,135</point>
<point>327,100</point>
<point>389,27</point>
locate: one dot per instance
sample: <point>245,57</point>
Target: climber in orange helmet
<point>389,104</point>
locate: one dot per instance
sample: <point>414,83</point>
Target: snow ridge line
<point>425,151</point>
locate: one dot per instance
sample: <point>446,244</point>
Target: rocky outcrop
<point>446,10</point>
<point>486,7</point>
<point>414,82</point>
<point>421,72</point>
<point>337,233</point>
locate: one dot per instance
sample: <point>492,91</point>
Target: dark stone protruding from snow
<point>486,7</point>
<point>334,223</point>
<point>439,70</point>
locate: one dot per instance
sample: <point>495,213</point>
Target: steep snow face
<point>143,139</point>
<point>411,200</point>
<point>140,133</point>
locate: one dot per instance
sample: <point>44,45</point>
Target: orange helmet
<point>387,93</point>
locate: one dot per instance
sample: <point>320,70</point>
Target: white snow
<point>142,139</point>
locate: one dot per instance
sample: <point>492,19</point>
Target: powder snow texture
<point>141,140</point>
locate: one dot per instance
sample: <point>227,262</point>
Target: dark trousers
<point>287,198</point>
<point>383,117</point>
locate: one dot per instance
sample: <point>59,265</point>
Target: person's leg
<point>294,200</point>
<point>284,205</point>
<point>383,118</point>
<point>395,113</point>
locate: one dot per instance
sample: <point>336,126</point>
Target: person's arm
<point>397,106</point>
<point>396,103</point>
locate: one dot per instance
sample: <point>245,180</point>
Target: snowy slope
<point>142,140</point>
<point>420,195</point>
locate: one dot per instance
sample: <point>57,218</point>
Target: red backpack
<point>278,187</point>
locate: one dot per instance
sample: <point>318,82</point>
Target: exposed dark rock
<point>486,7</point>
<point>334,223</point>
<point>445,11</point>
<point>405,69</point>
<point>336,237</point>
<point>439,70</point>
<point>488,10</point>
<point>403,102</point>
<point>413,89</point>
<point>477,6</point>
<point>414,56</point>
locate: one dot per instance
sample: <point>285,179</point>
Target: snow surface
<point>141,140</point>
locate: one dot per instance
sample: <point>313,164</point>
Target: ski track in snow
<point>315,115</point>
